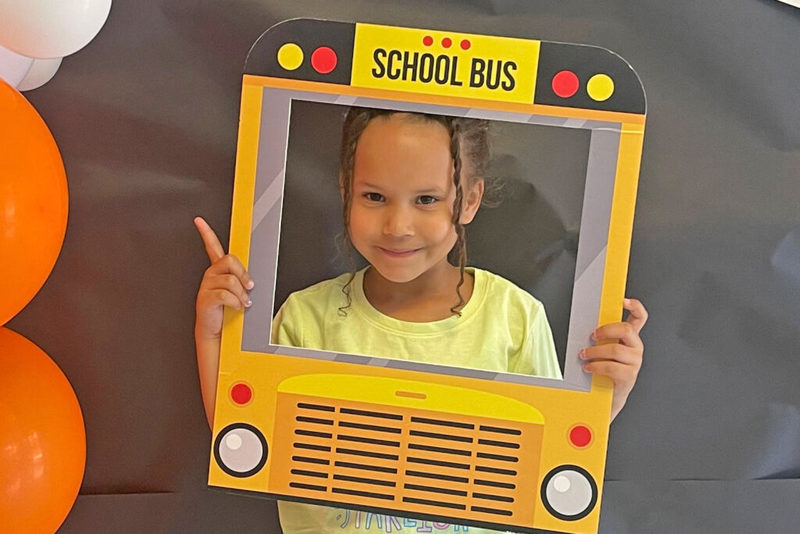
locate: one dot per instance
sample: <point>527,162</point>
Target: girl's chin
<point>395,276</point>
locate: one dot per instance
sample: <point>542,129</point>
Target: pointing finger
<point>210,240</point>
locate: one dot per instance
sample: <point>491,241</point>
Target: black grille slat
<point>376,428</point>
<point>434,489</point>
<point>439,463</point>
<point>493,443</point>
<point>368,454</point>
<point>311,447</point>
<point>305,473</point>
<point>435,435</point>
<point>435,503</point>
<point>362,480</point>
<point>313,434</point>
<point>500,430</point>
<point>490,497</point>
<point>444,450</point>
<point>371,441</point>
<point>498,471</point>
<point>437,476</point>
<point>314,420</point>
<point>494,484</point>
<point>490,510</point>
<point>368,413</point>
<point>318,407</point>
<point>305,459</point>
<point>300,485</point>
<point>366,467</point>
<point>359,493</point>
<point>500,457</point>
<point>443,422</point>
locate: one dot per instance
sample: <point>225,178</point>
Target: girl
<point>409,184</point>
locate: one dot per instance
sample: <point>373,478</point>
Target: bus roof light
<point>324,59</point>
<point>290,56</point>
<point>565,83</point>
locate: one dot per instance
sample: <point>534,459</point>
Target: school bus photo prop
<point>402,438</point>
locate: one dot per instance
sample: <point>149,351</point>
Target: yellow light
<point>290,56</point>
<point>600,87</point>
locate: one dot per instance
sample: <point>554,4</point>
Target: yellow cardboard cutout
<point>468,447</point>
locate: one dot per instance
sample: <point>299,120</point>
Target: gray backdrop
<point>146,120</point>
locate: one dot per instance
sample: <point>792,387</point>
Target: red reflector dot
<point>465,44</point>
<point>324,60</point>
<point>427,40</point>
<point>565,84</point>
<point>580,436</point>
<point>241,393</point>
<point>447,42</point>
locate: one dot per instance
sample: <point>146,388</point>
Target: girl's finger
<point>614,352</point>
<point>620,374</point>
<point>234,285</point>
<point>230,264</point>
<point>625,332</point>
<point>223,297</point>
<point>637,314</point>
<point>210,240</point>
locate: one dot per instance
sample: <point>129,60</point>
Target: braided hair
<point>469,138</point>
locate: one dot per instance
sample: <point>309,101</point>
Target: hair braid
<point>354,125</point>
<point>461,244</point>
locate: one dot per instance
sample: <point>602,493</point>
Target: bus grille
<point>406,459</point>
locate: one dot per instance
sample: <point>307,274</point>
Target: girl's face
<point>402,197</point>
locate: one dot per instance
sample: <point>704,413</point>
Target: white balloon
<point>41,72</point>
<point>50,28</point>
<point>13,67</point>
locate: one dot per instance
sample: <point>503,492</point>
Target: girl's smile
<point>398,253</point>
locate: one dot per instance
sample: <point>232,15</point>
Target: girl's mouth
<point>393,253</point>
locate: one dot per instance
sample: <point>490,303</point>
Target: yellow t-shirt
<point>501,328</point>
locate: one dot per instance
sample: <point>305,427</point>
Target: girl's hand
<point>225,283</point>
<point>619,361</point>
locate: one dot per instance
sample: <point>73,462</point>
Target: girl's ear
<point>472,201</point>
<point>341,186</point>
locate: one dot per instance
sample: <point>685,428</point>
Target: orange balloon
<point>42,439</point>
<point>33,202</point>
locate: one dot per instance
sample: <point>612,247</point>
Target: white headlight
<point>569,492</point>
<point>240,450</point>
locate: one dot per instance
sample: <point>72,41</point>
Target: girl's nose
<point>399,222</point>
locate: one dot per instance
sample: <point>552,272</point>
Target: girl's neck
<point>429,297</point>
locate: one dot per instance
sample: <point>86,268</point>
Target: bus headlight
<point>569,492</point>
<point>240,450</point>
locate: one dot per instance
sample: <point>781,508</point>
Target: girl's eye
<point>373,197</point>
<point>427,200</point>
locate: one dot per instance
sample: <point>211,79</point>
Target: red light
<point>241,393</point>
<point>465,44</point>
<point>427,40</point>
<point>580,436</point>
<point>324,60</point>
<point>447,42</point>
<point>565,84</point>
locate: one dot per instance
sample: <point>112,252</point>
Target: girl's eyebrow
<point>366,185</point>
<point>427,191</point>
<point>431,191</point>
